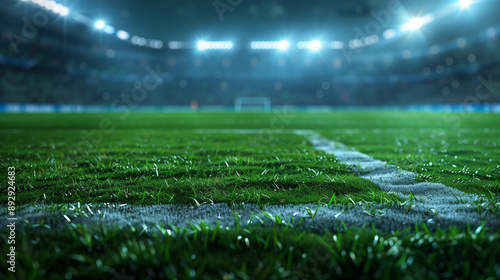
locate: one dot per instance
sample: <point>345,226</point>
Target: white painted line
<point>449,203</point>
<point>388,177</point>
<point>439,207</point>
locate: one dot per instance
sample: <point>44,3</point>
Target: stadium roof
<point>245,20</point>
<point>181,20</point>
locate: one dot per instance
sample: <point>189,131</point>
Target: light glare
<point>123,35</point>
<point>314,45</point>
<point>389,33</point>
<point>416,23</point>
<point>337,45</point>
<point>99,24</point>
<point>465,4</point>
<point>51,6</point>
<point>109,29</point>
<point>64,11</point>
<point>222,45</point>
<point>202,45</point>
<point>283,45</point>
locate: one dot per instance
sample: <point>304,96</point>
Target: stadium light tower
<point>99,24</point>
<point>464,4</point>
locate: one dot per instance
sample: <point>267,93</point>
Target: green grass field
<point>242,159</point>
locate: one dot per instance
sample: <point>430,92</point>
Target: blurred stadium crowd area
<point>49,70</point>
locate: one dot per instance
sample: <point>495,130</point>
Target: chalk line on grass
<point>388,177</point>
<point>449,203</point>
<point>437,205</point>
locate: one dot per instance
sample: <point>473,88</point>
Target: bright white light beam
<point>99,24</point>
<point>202,45</point>
<point>109,29</point>
<point>464,4</point>
<point>283,45</point>
<point>314,45</point>
<point>416,23</point>
<point>220,45</point>
<point>123,35</point>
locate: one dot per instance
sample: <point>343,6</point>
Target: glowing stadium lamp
<point>123,35</point>
<point>314,45</point>
<point>214,45</point>
<point>283,45</point>
<point>338,45</point>
<point>416,23</point>
<point>389,33</point>
<point>175,45</point>
<point>464,4</point>
<point>202,45</point>
<point>60,9</point>
<point>64,11</point>
<point>51,6</point>
<point>109,29</point>
<point>99,24</point>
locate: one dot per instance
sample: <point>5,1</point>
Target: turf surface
<point>102,158</point>
<point>195,158</point>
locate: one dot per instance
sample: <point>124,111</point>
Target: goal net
<point>252,103</point>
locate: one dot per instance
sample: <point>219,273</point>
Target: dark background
<point>68,61</point>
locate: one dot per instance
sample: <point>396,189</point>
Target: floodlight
<point>464,4</point>
<point>155,44</point>
<point>109,29</point>
<point>60,9</point>
<point>214,45</point>
<point>122,34</point>
<point>389,33</point>
<point>99,24</point>
<point>51,6</point>
<point>283,45</point>
<point>175,45</point>
<point>338,45</point>
<point>202,45</point>
<point>355,43</point>
<point>314,45</point>
<point>64,11</point>
<point>417,22</point>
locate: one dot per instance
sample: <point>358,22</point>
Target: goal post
<point>252,103</point>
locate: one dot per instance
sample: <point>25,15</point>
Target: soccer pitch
<point>253,195</point>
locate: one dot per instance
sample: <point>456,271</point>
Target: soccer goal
<point>252,103</point>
